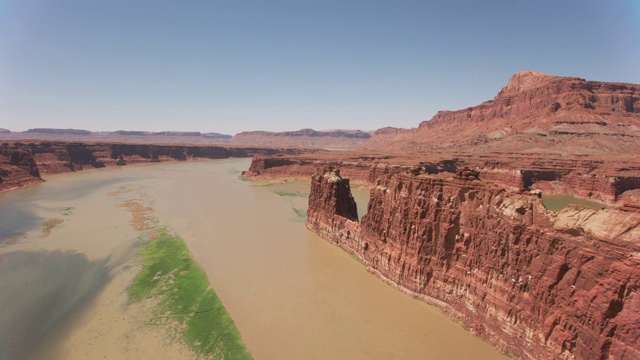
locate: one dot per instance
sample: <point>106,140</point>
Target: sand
<point>114,320</point>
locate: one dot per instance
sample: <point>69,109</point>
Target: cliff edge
<point>534,283</point>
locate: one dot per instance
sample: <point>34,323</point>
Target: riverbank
<point>290,294</point>
<point>23,162</point>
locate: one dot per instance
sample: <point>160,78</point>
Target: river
<point>291,294</point>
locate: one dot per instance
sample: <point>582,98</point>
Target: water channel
<point>291,294</point>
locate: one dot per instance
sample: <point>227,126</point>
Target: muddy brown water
<point>291,294</point>
<point>559,202</point>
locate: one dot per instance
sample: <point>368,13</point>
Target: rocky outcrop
<point>536,284</point>
<point>17,169</point>
<point>24,160</point>
<point>533,112</point>
<point>630,201</point>
<point>332,211</point>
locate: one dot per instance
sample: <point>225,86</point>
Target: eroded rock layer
<point>534,112</point>
<point>537,284</point>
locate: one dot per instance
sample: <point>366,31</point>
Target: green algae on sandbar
<point>186,301</point>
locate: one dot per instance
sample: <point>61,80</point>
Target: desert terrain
<point>459,213</point>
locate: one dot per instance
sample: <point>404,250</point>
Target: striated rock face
<point>533,112</point>
<point>332,211</point>
<point>537,284</point>
<point>531,92</point>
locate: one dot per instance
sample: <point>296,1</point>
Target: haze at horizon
<point>227,67</point>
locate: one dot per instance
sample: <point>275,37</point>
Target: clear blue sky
<point>230,66</point>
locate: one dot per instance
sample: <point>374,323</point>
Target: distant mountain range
<point>534,112</point>
<point>309,138</point>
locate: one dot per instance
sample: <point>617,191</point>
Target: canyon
<point>456,217</point>
<point>300,297</point>
<point>23,163</point>
<point>536,284</point>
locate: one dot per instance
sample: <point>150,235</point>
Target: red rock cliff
<point>332,211</point>
<point>536,284</point>
<point>17,169</point>
<point>534,112</point>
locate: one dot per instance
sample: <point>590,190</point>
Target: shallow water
<point>291,294</point>
<point>559,202</point>
<point>47,282</point>
<point>41,290</point>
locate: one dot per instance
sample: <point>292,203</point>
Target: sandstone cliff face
<point>332,211</point>
<point>534,112</point>
<point>537,284</point>
<point>531,92</point>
